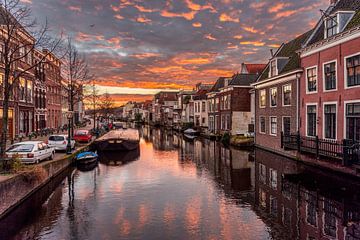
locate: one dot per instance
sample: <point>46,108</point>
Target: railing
<point>347,151</point>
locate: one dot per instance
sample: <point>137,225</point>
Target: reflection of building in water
<point>163,140</point>
<point>303,203</point>
<point>230,166</point>
<point>145,133</point>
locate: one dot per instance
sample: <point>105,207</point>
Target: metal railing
<point>346,151</point>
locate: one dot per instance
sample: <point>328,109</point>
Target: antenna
<point>324,14</point>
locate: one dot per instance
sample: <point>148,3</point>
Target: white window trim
<point>336,73</point>
<point>276,67</point>
<point>282,94</point>
<point>345,72</point>
<point>270,127</point>
<point>306,119</point>
<point>337,27</point>
<point>260,124</point>
<point>323,117</point>
<point>262,90</point>
<point>345,103</point>
<point>282,123</point>
<point>271,96</point>
<point>317,79</point>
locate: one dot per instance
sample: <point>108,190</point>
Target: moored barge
<point>118,140</point>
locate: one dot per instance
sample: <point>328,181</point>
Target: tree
<point>20,36</point>
<point>106,105</point>
<point>92,100</point>
<point>77,74</point>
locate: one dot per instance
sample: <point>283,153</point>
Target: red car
<point>82,136</point>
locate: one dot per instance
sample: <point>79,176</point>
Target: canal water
<point>174,188</point>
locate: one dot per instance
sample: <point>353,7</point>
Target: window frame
<point>262,91</point>
<point>307,79</point>
<point>336,26</point>
<point>276,96</point>
<point>336,119</point>
<point>344,112</point>
<point>271,74</point>
<point>317,116</point>
<point>346,86</point>
<point>282,123</point>
<point>336,76</point>
<point>283,92</point>
<point>270,126</point>
<point>262,132</point>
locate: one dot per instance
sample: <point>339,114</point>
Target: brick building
<point>40,93</point>
<point>276,95</point>
<point>200,106</point>
<point>329,93</point>
<point>52,72</point>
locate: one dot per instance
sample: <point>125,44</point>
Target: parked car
<point>30,151</point>
<point>60,142</point>
<point>83,136</point>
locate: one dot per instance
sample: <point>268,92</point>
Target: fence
<point>346,151</point>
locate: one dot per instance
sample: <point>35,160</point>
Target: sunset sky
<point>139,47</point>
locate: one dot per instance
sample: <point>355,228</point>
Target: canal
<point>173,188</point>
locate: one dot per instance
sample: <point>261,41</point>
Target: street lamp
<point>97,123</point>
<point>69,116</point>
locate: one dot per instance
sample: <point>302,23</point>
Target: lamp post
<point>97,125</point>
<point>69,116</point>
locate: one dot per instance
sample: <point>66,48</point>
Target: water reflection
<point>178,189</point>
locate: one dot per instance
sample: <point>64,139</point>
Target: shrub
<point>225,139</point>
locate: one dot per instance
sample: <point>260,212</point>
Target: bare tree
<point>20,36</point>
<point>92,99</point>
<point>106,105</point>
<point>77,75</point>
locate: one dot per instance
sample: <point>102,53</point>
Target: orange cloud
<point>143,9</point>
<point>226,18</point>
<point>145,55</point>
<point>254,43</point>
<point>143,20</point>
<point>250,29</point>
<point>118,17</point>
<point>188,16</point>
<point>285,14</point>
<point>238,37</point>
<point>210,37</point>
<point>277,7</point>
<point>75,8</point>
<point>197,24</point>
<point>197,7</point>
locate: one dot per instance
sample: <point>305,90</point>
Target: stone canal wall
<point>17,189</point>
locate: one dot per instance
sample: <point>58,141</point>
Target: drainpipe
<point>298,102</point>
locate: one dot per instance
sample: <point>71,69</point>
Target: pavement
<point>58,155</point>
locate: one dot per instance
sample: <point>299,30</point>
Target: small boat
<point>191,132</point>
<point>86,158</point>
<point>118,140</point>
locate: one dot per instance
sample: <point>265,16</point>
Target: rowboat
<point>86,158</point>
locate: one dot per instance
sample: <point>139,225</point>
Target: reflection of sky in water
<point>160,196</point>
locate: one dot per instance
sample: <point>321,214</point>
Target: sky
<point>136,48</point>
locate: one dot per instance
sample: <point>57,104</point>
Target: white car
<point>59,142</point>
<point>30,152</point>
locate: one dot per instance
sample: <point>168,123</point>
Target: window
<point>223,122</point>
<point>273,206</point>
<point>273,126</point>
<point>273,178</point>
<point>287,95</point>
<point>2,86</point>
<point>273,69</point>
<point>311,75</point>
<point>228,126</point>
<point>229,102</point>
<point>330,214</point>
<point>311,121</point>
<point>273,97</point>
<point>203,106</point>
<point>331,26</point>
<point>286,217</point>
<point>262,125</point>
<point>22,89</point>
<point>263,98</point>
<point>353,71</point>
<point>311,211</point>
<point>29,94</point>
<point>353,121</point>
<point>286,126</point>
<point>330,76</point>
<point>262,173</point>
<point>330,121</point>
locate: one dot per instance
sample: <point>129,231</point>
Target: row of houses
<point>37,101</point>
<point>309,88</point>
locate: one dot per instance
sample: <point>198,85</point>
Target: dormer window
<point>331,26</point>
<point>273,68</point>
<point>337,22</point>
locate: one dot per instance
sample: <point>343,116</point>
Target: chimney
<point>272,53</point>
